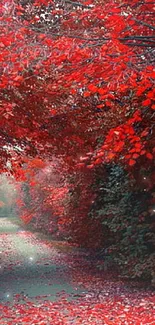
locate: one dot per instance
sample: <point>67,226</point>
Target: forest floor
<point>46,285</point>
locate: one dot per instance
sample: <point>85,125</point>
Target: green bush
<point>123,208</point>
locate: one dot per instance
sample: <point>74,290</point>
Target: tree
<point>124,208</point>
<point>76,84</point>
<point>67,64</point>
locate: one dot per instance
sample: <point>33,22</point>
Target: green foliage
<point>122,206</point>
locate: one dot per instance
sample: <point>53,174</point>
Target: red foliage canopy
<point>77,77</point>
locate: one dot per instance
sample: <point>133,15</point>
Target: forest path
<point>42,285</point>
<point>29,267</point>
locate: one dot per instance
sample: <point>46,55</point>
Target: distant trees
<point>8,195</point>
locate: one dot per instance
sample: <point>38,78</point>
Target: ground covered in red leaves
<point>84,295</point>
<point>136,309</point>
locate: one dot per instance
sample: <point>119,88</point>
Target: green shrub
<point>123,208</point>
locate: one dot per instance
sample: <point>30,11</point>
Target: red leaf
<point>111,155</point>
<point>80,165</point>
<point>132,162</point>
<point>128,156</point>
<point>135,155</point>
<point>84,158</point>
<point>151,94</point>
<point>132,150</point>
<point>130,130</point>
<point>146,102</point>
<point>37,163</point>
<point>98,161</point>
<point>137,149</point>
<point>18,78</point>
<point>138,145</point>
<point>101,91</point>
<point>119,146</point>
<point>143,152</point>
<point>90,166</point>
<point>86,94</point>
<point>53,112</point>
<point>144,133</point>
<point>141,90</point>
<point>92,88</point>
<point>100,106</point>
<point>100,154</point>
<point>149,155</point>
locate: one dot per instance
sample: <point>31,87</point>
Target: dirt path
<point>39,284</point>
<point>28,266</point>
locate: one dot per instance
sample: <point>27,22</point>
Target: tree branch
<point>77,4</point>
<point>143,23</point>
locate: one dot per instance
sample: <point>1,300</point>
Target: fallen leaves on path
<point>102,300</point>
<point>120,311</point>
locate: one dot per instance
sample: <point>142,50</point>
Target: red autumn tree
<point>42,194</point>
<point>76,77</point>
<point>77,84</point>
<point>57,202</point>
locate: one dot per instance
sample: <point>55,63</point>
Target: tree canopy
<point>80,75</point>
<point>77,99</point>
